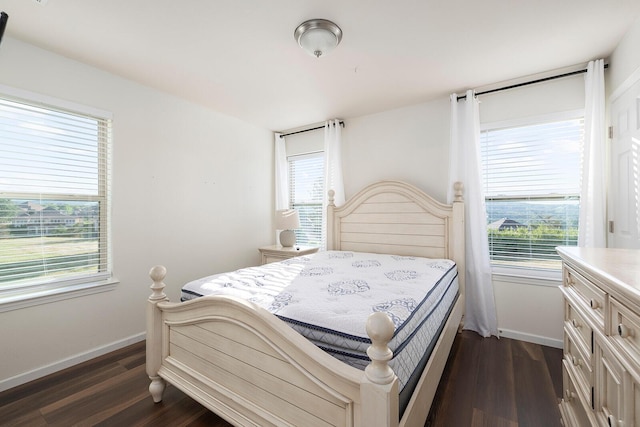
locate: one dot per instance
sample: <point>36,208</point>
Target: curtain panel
<point>592,227</point>
<point>333,160</point>
<point>332,169</point>
<point>465,166</point>
<point>282,174</point>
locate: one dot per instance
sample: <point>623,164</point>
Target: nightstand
<point>276,253</point>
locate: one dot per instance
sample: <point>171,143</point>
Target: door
<point>624,184</point>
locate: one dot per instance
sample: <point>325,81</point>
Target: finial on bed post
<point>379,388</point>
<point>154,332</point>
<point>157,274</point>
<point>380,329</point>
<point>457,250</point>
<point>458,188</point>
<point>332,242</point>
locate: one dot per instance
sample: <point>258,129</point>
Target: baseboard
<point>536,339</point>
<point>66,363</point>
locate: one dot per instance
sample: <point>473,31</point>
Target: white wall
<point>625,59</point>
<point>192,189</point>
<point>409,144</point>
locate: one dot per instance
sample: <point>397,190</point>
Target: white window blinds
<point>531,177</point>
<point>54,195</point>
<point>306,189</point>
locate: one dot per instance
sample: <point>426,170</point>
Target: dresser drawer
<point>575,322</point>
<point>625,328</point>
<point>267,259</point>
<point>580,364</point>
<point>593,297</point>
<point>610,399</point>
<point>573,412</point>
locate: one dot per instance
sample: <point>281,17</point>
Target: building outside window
<point>54,196</point>
<point>531,175</point>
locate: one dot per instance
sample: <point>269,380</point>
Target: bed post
<point>379,387</point>
<point>459,254</point>
<point>332,239</point>
<point>154,332</point>
<point>459,232</point>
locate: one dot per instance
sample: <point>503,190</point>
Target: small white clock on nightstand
<point>276,253</point>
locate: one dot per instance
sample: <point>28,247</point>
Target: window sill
<point>15,299</point>
<point>528,276</point>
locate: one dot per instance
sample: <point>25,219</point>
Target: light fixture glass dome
<point>318,36</point>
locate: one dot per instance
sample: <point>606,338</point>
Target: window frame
<point>532,276</point>
<point>20,295</point>
<point>292,205</point>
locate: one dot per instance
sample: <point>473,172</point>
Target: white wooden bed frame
<point>252,369</point>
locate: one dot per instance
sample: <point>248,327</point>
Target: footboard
<point>249,367</point>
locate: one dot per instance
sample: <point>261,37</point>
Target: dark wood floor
<point>487,382</point>
<point>498,382</point>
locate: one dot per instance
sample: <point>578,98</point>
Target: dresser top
<point>618,267</point>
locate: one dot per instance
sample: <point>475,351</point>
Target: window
<point>306,188</point>
<point>54,198</point>
<point>531,177</point>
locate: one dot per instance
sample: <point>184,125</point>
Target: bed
<point>249,366</point>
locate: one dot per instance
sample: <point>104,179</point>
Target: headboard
<point>394,217</point>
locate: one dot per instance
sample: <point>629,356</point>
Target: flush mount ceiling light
<point>318,36</point>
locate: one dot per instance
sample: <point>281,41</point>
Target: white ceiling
<point>239,57</point>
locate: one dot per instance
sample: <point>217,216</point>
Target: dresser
<point>601,365</point>
<point>276,253</point>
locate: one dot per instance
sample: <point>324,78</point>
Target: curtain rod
<point>308,130</point>
<point>559,76</point>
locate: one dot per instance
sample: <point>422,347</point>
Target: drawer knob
<point>593,303</point>
<point>575,323</point>
<point>624,331</point>
<point>576,361</point>
<point>569,395</point>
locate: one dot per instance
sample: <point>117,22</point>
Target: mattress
<point>328,296</point>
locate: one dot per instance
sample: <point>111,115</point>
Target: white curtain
<point>282,174</point>
<point>465,166</point>
<point>592,229</point>
<point>332,167</point>
<point>333,160</point>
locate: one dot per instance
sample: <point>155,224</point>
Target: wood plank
<point>554,364</point>
<point>496,379</point>
<point>377,207</point>
<point>399,250</point>
<point>99,401</point>
<point>244,357</point>
<point>76,378</point>
<point>417,229</point>
<point>177,409</point>
<point>260,387</point>
<point>27,418</point>
<point>393,218</point>
<point>393,239</point>
<point>227,337</point>
<point>233,343</point>
<point>534,393</point>
<point>29,396</point>
<point>458,384</point>
<point>480,418</point>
